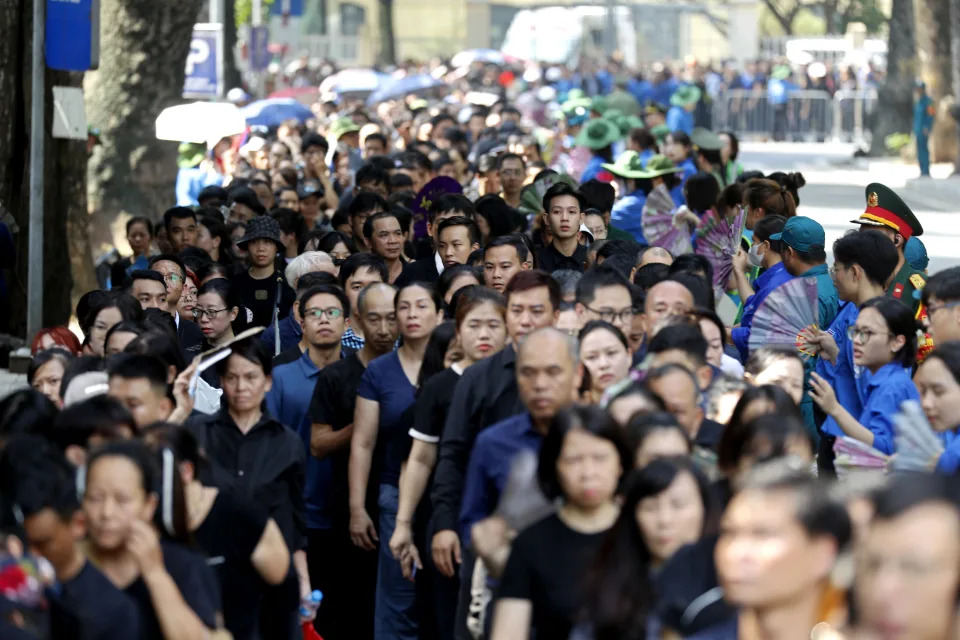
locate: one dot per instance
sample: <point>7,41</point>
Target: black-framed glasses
<point>607,315</point>
<point>198,313</point>
<point>331,312</point>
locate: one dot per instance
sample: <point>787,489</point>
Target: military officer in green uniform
<point>888,213</point>
<point>706,150</point>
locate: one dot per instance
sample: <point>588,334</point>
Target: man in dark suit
<point>429,269</point>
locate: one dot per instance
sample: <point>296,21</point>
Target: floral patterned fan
<point>661,227</point>
<point>784,315</point>
<point>718,240</point>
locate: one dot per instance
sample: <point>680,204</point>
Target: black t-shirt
<point>193,578</point>
<point>228,535</point>
<point>334,399</point>
<point>433,405</point>
<point>99,609</point>
<point>547,566</point>
<point>259,296</point>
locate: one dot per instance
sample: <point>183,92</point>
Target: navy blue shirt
<point>289,402</point>
<point>102,611</point>
<point>290,334</point>
<point>489,467</point>
<point>385,383</point>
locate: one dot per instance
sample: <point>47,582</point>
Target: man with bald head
<point>651,255</point>
<point>548,376</point>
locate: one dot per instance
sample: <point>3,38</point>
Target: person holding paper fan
<point>862,264</point>
<point>884,341</point>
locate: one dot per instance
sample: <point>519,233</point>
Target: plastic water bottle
<point>310,604</point>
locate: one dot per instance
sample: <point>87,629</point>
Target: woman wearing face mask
<point>938,381</point>
<point>605,355</point>
<point>884,343</point>
<point>170,585</point>
<point>387,389</point>
<point>581,463</point>
<point>765,254</point>
<point>667,504</point>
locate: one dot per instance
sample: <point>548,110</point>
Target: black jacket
<point>190,337</point>
<point>424,270</point>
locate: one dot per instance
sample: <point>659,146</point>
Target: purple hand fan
<point>784,314</point>
<point>718,240</point>
<point>439,186</point>
<point>851,455</point>
<point>659,226</point>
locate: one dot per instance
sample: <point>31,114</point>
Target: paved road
<point>834,193</point>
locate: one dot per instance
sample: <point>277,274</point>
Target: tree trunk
<point>64,203</point>
<point>143,55</point>
<point>388,45</point>
<point>955,71</point>
<point>231,73</point>
<point>894,111</point>
<point>933,56</point>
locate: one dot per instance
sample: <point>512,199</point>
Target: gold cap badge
<point>873,200</point>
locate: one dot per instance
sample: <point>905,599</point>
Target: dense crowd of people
<point>421,377</point>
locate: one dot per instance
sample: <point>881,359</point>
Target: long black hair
<point>433,355</point>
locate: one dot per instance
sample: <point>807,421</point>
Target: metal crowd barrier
<point>806,116</point>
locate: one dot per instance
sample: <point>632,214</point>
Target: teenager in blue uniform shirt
<point>938,382</point>
<point>627,212</point>
<point>764,253</point>
<point>598,135</point>
<point>862,264</point>
<point>683,102</point>
<point>679,148</point>
<point>804,257</point>
<point>884,340</point>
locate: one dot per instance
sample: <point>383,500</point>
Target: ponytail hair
<point>772,197</point>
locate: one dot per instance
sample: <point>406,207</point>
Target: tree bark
<point>231,72</point>
<point>933,56</point>
<point>64,205</point>
<point>955,72</point>
<point>388,45</point>
<point>894,111</point>
<point>143,54</point>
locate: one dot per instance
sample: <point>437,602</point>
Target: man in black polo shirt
<point>348,602</point>
<point>563,215</point>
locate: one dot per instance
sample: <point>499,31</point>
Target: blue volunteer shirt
<point>886,390</point>
<point>679,119</point>
<point>593,169</point>
<point>489,467</point>
<point>762,286</point>
<point>289,401</point>
<point>844,376</point>
<point>689,168</point>
<point>627,215</point>
<point>828,302</point>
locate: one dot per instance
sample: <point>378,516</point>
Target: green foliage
<point>895,142</point>
<point>243,10</point>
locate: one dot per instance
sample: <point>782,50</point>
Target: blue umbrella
<point>404,86</point>
<point>273,111</point>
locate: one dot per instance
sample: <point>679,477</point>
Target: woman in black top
<point>480,332</point>
<point>242,542</point>
<point>140,238</point>
<point>581,461</point>
<point>173,588</point>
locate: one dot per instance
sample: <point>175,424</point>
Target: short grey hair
<point>572,342</point>
<point>308,262</point>
<point>362,296</point>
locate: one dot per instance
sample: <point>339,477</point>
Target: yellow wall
<point>427,28</point>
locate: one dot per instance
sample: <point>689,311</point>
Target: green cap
<point>781,72</point>
<point>652,107</point>
<point>626,124</point>
<point>342,126</point>
<point>598,104</point>
<point>685,96</point>
<point>704,139</point>
<point>660,132</point>
<point>612,114</point>
<point>597,134</point>
<point>886,209</point>
<point>659,165</point>
<point>801,233</point>
<point>628,165</point>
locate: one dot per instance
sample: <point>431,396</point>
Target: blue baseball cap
<point>802,234</point>
<point>916,254</point>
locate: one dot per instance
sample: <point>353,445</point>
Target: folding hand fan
<point>718,240</point>
<point>918,445</point>
<point>783,315</point>
<point>851,456</point>
<point>661,228</point>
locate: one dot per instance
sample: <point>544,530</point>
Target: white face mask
<point>754,256</point>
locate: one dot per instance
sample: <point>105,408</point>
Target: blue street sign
<point>287,7</point>
<point>72,41</point>
<point>259,55</point>
<point>204,72</point>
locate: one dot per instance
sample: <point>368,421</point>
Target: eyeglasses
<point>210,313</point>
<point>332,313</point>
<point>834,269</point>
<point>932,309</point>
<point>623,315</point>
<point>863,335</point>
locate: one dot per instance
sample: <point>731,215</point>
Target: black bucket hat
<point>263,227</point>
